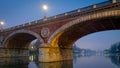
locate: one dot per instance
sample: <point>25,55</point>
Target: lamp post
<point>45,8</point>
<point>1,25</point>
<point>1,37</point>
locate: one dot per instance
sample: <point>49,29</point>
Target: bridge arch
<point>66,35</point>
<point>21,38</point>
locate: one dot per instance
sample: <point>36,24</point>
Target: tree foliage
<point>115,48</point>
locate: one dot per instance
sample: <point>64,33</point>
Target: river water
<point>97,62</point>
<point>78,62</point>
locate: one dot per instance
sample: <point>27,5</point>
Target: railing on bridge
<point>91,7</point>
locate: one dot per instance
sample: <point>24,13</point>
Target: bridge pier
<point>52,54</point>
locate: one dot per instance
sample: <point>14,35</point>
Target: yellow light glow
<point>45,7</point>
<point>32,47</point>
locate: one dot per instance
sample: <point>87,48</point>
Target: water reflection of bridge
<point>23,62</point>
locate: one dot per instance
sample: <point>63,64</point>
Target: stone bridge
<point>55,35</point>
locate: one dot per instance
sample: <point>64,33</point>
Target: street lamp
<point>1,25</point>
<point>45,8</point>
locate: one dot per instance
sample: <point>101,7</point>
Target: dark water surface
<point>78,62</point>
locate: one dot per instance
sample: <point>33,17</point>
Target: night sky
<point>16,12</point>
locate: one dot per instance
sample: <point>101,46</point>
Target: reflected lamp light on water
<point>31,58</point>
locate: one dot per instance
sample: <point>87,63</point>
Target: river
<point>78,62</point>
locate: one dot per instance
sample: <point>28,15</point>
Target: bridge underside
<point>21,40</point>
<point>18,44</point>
<point>73,33</point>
